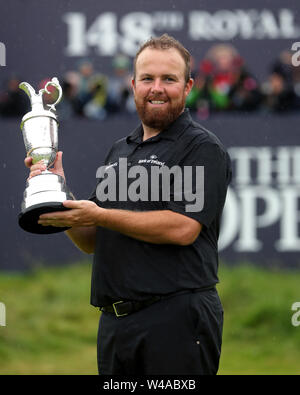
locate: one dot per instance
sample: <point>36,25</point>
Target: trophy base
<point>28,218</point>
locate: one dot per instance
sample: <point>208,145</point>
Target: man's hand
<point>38,167</point>
<point>82,213</point>
<point>80,219</point>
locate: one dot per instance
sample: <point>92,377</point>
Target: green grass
<point>52,329</point>
<point>259,337</point>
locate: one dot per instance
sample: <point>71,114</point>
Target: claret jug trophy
<point>45,192</point>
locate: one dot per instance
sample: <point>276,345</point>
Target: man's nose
<point>157,86</point>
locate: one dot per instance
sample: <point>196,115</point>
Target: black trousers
<point>180,335</point>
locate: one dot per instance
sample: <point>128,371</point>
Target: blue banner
<point>40,40</point>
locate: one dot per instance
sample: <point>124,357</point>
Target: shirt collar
<point>171,133</point>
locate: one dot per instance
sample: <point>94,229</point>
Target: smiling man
<point>161,86</point>
<point>155,263</point>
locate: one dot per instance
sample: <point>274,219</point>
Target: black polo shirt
<point>126,268</point>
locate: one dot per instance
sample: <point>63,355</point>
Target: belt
<point>122,308</point>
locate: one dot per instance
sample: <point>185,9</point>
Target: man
<point>155,259</point>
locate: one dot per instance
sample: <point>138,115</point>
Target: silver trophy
<point>44,193</point>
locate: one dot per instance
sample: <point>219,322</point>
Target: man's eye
<point>146,79</point>
<point>170,79</point>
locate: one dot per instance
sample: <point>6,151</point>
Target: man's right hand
<point>83,237</point>
<point>38,167</point>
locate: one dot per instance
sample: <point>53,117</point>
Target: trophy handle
<point>54,82</point>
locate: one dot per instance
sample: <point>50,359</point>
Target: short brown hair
<point>166,42</point>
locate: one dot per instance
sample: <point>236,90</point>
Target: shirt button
<point>139,147</point>
<point>129,164</point>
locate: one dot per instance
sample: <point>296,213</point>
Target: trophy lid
<point>36,100</point>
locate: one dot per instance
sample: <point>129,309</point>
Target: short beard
<point>158,119</point>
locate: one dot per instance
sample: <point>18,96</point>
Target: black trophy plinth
<point>28,218</point>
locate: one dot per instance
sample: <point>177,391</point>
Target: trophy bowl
<point>45,192</point>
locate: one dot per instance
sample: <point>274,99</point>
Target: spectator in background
<point>68,106</point>
<point>119,94</point>
<point>280,92</point>
<point>92,92</point>
<point>198,100</point>
<point>223,83</point>
<point>13,102</point>
<point>85,72</point>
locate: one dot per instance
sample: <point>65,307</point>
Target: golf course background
<point>52,329</point>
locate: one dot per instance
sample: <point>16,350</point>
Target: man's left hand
<point>82,213</point>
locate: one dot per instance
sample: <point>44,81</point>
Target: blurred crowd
<point>223,83</point>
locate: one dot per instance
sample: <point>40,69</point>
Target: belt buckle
<point>115,309</point>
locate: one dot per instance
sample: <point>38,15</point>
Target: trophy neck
<point>37,105</point>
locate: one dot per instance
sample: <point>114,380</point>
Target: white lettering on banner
<point>135,28</point>
<point>244,24</point>
<point>167,20</point>
<point>266,165</point>
<point>290,219</point>
<point>265,191</point>
<point>110,33</point>
<point>103,35</point>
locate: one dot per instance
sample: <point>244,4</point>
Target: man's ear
<point>133,84</point>
<point>189,86</point>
